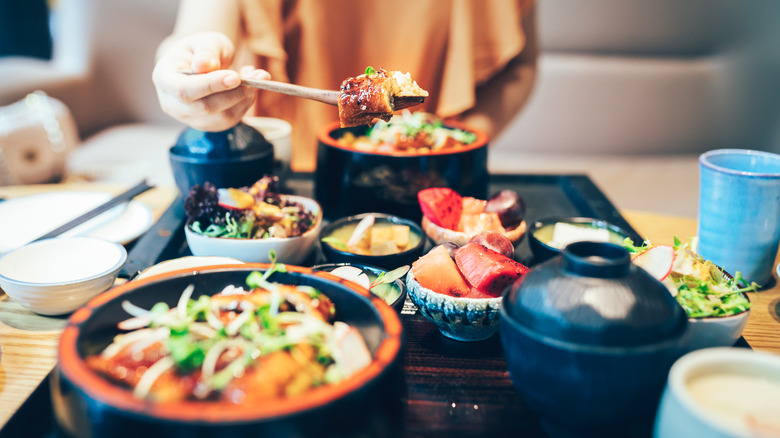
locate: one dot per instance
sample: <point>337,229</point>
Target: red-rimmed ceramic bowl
<point>87,404</point>
<point>348,181</point>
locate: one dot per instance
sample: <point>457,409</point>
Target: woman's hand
<point>213,98</point>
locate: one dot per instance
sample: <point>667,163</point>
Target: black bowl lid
<point>238,141</point>
<point>592,294</point>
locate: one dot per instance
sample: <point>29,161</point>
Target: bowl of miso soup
<point>374,239</point>
<point>550,235</point>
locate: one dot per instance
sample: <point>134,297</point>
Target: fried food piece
<point>375,95</point>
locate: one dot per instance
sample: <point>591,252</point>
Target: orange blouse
<point>450,47</point>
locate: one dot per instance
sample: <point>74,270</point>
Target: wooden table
<point>29,341</point>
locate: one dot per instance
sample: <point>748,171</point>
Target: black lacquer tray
<point>452,389</point>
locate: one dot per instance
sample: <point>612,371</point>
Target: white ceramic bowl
<point>57,276</point>
<point>715,331</point>
<point>291,250</point>
<point>686,411</point>
<point>440,234</point>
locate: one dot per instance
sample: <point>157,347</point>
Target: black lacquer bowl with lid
<point>589,339</point>
<point>236,157</point>
<point>350,181</point>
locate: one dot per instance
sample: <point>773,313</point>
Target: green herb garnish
<point>370,71</point>
<point>335,242</point>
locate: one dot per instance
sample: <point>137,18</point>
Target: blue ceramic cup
<point>739,211</point>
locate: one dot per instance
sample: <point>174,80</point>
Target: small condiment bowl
<point>57,276</point>
<point>543,249</point>
<point>462,319</point>
<point>694,404</point>
<point>442,235</point>
<point>290,250</point>
<point>389,261</point>
<point>394,298</point>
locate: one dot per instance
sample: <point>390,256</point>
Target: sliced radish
<point>353,274</point>
<point>657,261</point>
<point>235,199</point>
<point>349,349</point>
<point>362,228</point>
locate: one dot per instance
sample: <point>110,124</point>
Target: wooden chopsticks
<point>113,202</point>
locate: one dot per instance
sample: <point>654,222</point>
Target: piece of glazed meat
<point>375,95</point>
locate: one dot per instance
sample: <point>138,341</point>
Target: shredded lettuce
<point>705,291</point>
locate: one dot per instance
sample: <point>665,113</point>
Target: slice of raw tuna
<point>486,270</point>
<point>441,205</point>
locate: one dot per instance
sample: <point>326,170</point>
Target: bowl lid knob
<point>590,259</point>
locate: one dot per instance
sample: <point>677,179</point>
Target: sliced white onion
<point>151,375</point>
<point>183,300</point>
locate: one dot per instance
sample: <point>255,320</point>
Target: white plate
<point>26,218</point>
<point>185,263</point>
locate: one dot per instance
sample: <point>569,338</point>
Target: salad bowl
<point>89,403</point>
<point>715,302</point>
<point>233,239</point>
<point>351,181</point>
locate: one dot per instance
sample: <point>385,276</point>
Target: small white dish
<point>743,402</point>
<point>441,235</point>
<point>185,263</point>
<point>291,250</point>
<point>57,276</point>
<point>33,216</point>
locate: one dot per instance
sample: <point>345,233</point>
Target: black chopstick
<point>113,202</point>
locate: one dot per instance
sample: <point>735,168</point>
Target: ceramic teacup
<point>739,211</point>
<point>278,132</point>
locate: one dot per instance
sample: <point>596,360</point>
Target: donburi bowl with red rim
<point>349,181</point>
<point>88,404</point>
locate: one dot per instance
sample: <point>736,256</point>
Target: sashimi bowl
<point>461,319</point>
<point>450,217</point>
<point>439,286</point>
<point>230,350</point>
<point>259,213</point>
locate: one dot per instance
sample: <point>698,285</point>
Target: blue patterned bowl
<point>462,319</point>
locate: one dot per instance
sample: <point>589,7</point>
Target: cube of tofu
<point>381,233</point>
<point>401,236</point>
<point>384,248</point>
